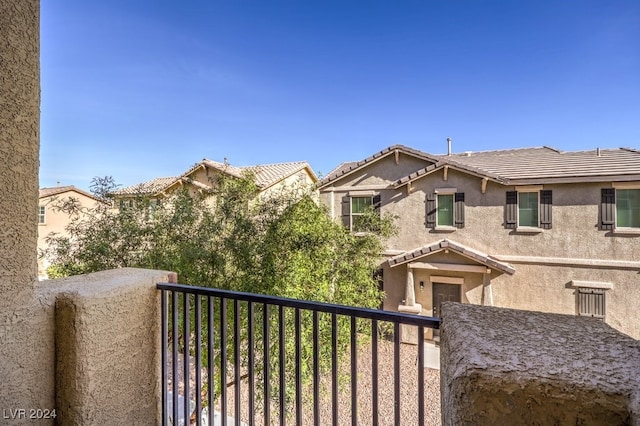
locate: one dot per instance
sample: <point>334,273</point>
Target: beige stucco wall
<point>21,366</point>
<point>537,286</point>
<point>504,366</point>
<point>56,220</point>
<point>103,336</point>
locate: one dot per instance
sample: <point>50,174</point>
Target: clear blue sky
<point>143,89</point>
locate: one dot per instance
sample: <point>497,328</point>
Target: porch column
<point>408,333</point>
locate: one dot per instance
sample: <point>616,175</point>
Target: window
<point>42,215</point>
<point>591,302</point>
<point>628,208</point>
<point>445,209</point>
<point>354,208</point>
<point>527,208</point>
<point>620,208</point>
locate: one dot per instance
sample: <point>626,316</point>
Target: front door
<point>443,293</point>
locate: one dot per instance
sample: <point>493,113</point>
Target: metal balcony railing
<point>284,358</point>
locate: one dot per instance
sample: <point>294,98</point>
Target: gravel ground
<point>408,392</point>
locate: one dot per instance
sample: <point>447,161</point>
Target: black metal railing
<point>284,358</point>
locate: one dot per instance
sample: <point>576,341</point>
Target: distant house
<point>51,219</point>
<point>535,229</point>
<point>199,178</point>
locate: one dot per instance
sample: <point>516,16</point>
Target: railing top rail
<point>403,318</point>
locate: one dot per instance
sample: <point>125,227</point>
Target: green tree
<point>284,244</point>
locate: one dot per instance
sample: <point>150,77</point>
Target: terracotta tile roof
<point>49,192</point>
<point>150,187</point>
<point>265,175</point>
<point>346,168</point>
<point>530,165</point>
<point>456,248</point>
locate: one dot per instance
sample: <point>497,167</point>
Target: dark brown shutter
<point>458,215</point>
<point>511,210</point>
<point>431,210</point>
<point>346,211</point>
<point>377,202</point>
<point>608,209</point>
<point>545,209</point>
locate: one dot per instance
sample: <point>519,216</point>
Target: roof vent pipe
<point>449,146</point>
<point>598,152</point>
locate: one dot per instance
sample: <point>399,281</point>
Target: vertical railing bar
<point>316,372</point>
<point>282,364</point>
<point>374,371</point>
<point>396,373</point>
<point>187,361</point>
<point>210,359</point>
<point>251,363</point>
<point>223,360</point>
<point>174,353</point>
<point>198,343</point>
<point>354,373</point>
<point>266,365</point>
<point>165,347</point>
<point>420,375</point>
<point>334,368</point>
<point>236,357</point>
<point>298,368</point>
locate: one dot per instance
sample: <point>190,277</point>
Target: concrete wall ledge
<point>505,366</point>
<point>107,346</point>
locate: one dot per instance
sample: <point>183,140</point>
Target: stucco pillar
<point>409,334</point>
<point>21,347</point>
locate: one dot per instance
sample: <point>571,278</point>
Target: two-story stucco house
<point>534,229</point>
<point>269,178</point>
<point>52,220</point>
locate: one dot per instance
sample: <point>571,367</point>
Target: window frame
<point>544,209</point>
<point>42,215</point>
<point>352,214</point>
<point>616,211</point>
<point>447,192</point>
<point>457,212</point>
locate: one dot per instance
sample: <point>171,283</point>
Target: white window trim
<point>622,230</point>
<point>528,189</point>
<point>592,284</point>
<point>358,194</point>
<point>446,191</point>
<point>44,215</point>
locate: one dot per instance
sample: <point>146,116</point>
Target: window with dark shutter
<point>459,210</point>
<point>607,208</point>
<point>591,302</point>
<point>377,202</point>
<point>545,209</point>
<point>431,210</point>
<point>511,210</point>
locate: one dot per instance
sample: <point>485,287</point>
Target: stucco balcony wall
<point>505,366</point>
<point>105,330</point>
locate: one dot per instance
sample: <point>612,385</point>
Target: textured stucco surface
<point>504,366</point>
<point>534,286</point>
<point>20,315</point>
<point>107,346</point>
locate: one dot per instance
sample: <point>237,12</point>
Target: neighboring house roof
<point>57,190</point>
<point>153,186</point>
<point>518,166</point>
<point>460,249</point>
<point>266,175</point>
<point>345,169</point>
<point>538,165</point>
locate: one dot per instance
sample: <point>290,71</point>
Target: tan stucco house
<point>51,219</point>
<point>534,229</point>
<point>199,178</point>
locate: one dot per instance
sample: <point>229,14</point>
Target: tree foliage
<point>283,244</point>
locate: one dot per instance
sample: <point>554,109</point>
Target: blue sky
<point>141,89</point>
